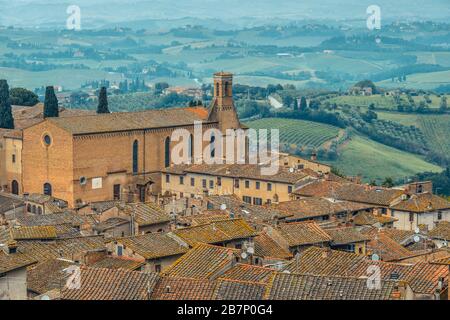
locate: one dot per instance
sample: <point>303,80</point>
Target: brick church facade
<point>102,157</point>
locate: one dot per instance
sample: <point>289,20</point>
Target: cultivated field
<point>298,132</point>
<point>437,131</point>
<point>378,161</point>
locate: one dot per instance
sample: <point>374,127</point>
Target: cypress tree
<point>6,118</point>
<point>103,101</point>
<point>51,108</point>
<point>303,104</point>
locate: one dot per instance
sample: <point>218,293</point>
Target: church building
<point>100,157</point>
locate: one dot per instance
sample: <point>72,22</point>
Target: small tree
<point>51,108</point>
<point>103,101</point>
<point>23,97</point>
<point>388,182</point>
<point>443,107</point>
<point>6,118</point>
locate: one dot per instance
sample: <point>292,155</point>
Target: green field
<point>298,132</point>
<point>406,119</point>
<point>379,101</point>
<point>426,81</point>
<point>382,101</point>
<point>437,131</point>
<point>436,128</point>
<point>377,161</point>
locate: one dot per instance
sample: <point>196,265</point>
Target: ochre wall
<point>48,164</point>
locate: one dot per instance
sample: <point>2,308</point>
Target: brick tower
<point>222,106</point>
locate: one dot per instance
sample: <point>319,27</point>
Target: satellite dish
<point>45,297</point>
<point>223,206</point>
<point>375,257</point>
<point>291,170</point>
<point>416,238</point>
<point>244,255</point>
<point>417,230</point>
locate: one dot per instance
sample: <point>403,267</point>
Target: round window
<point>47,140</point>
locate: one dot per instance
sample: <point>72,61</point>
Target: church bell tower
<point>222,106</point>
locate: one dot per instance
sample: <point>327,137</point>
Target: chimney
<point>441,283</point>
<point>10,247</point>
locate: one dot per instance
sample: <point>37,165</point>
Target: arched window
<point>167,152</point>
<point>226,89</point>
<point>29,208</point>
<point>39,210</point>
<point>33,209</point>
<point>217,89</point>
<point>212,146</point>
<point>48,189</point>
<point>14,187</point>
<point>135,156</point>
<point>191,148</point>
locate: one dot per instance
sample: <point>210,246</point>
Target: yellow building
<point>242,180</point>
<point>11,161</point>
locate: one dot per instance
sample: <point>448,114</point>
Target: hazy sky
<point>98,12</point>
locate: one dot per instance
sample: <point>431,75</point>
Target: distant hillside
<point>95,13</point>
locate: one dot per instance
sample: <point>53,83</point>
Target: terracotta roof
<point>48,275</point>
<point>33,233</point>
<point>126,121</point>
<point>350,192</point>
<point>147,213</point>
<point>9,202</point>
<point>303,233</point>
<point>422,277</point>
<point>216,232</point>
<point>315,207</point>
<point>422,202</point>
<point>203,261</point>
<point>208,217</point>
<point>441,231</point>
<point>249,273</point>
<point>53,219</point>
<point>266,247</point>
<point>444,261</point>
<point>312,287</point>
<point>387,248</point>
<point>11,133</point>
<point>399,236</point>
<point>110,284</point>
<point>369,219</point>
<point>110,224</point>
<point>154,245</point>
<point>60,248</point>
<point>239,290</point>
<point>241,171</point>
<point>175,288</point>
<point>318,188</point>
<point>346,235</point>
<point>13,261</point>
<point>102,206</point>
<point>250,213</point>
<point>110,262</point>
<point>326,262</point>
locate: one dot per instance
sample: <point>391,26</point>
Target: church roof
<point>126,121</point>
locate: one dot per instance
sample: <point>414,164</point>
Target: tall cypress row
<point>6,118</point>
<point>51,108</point>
